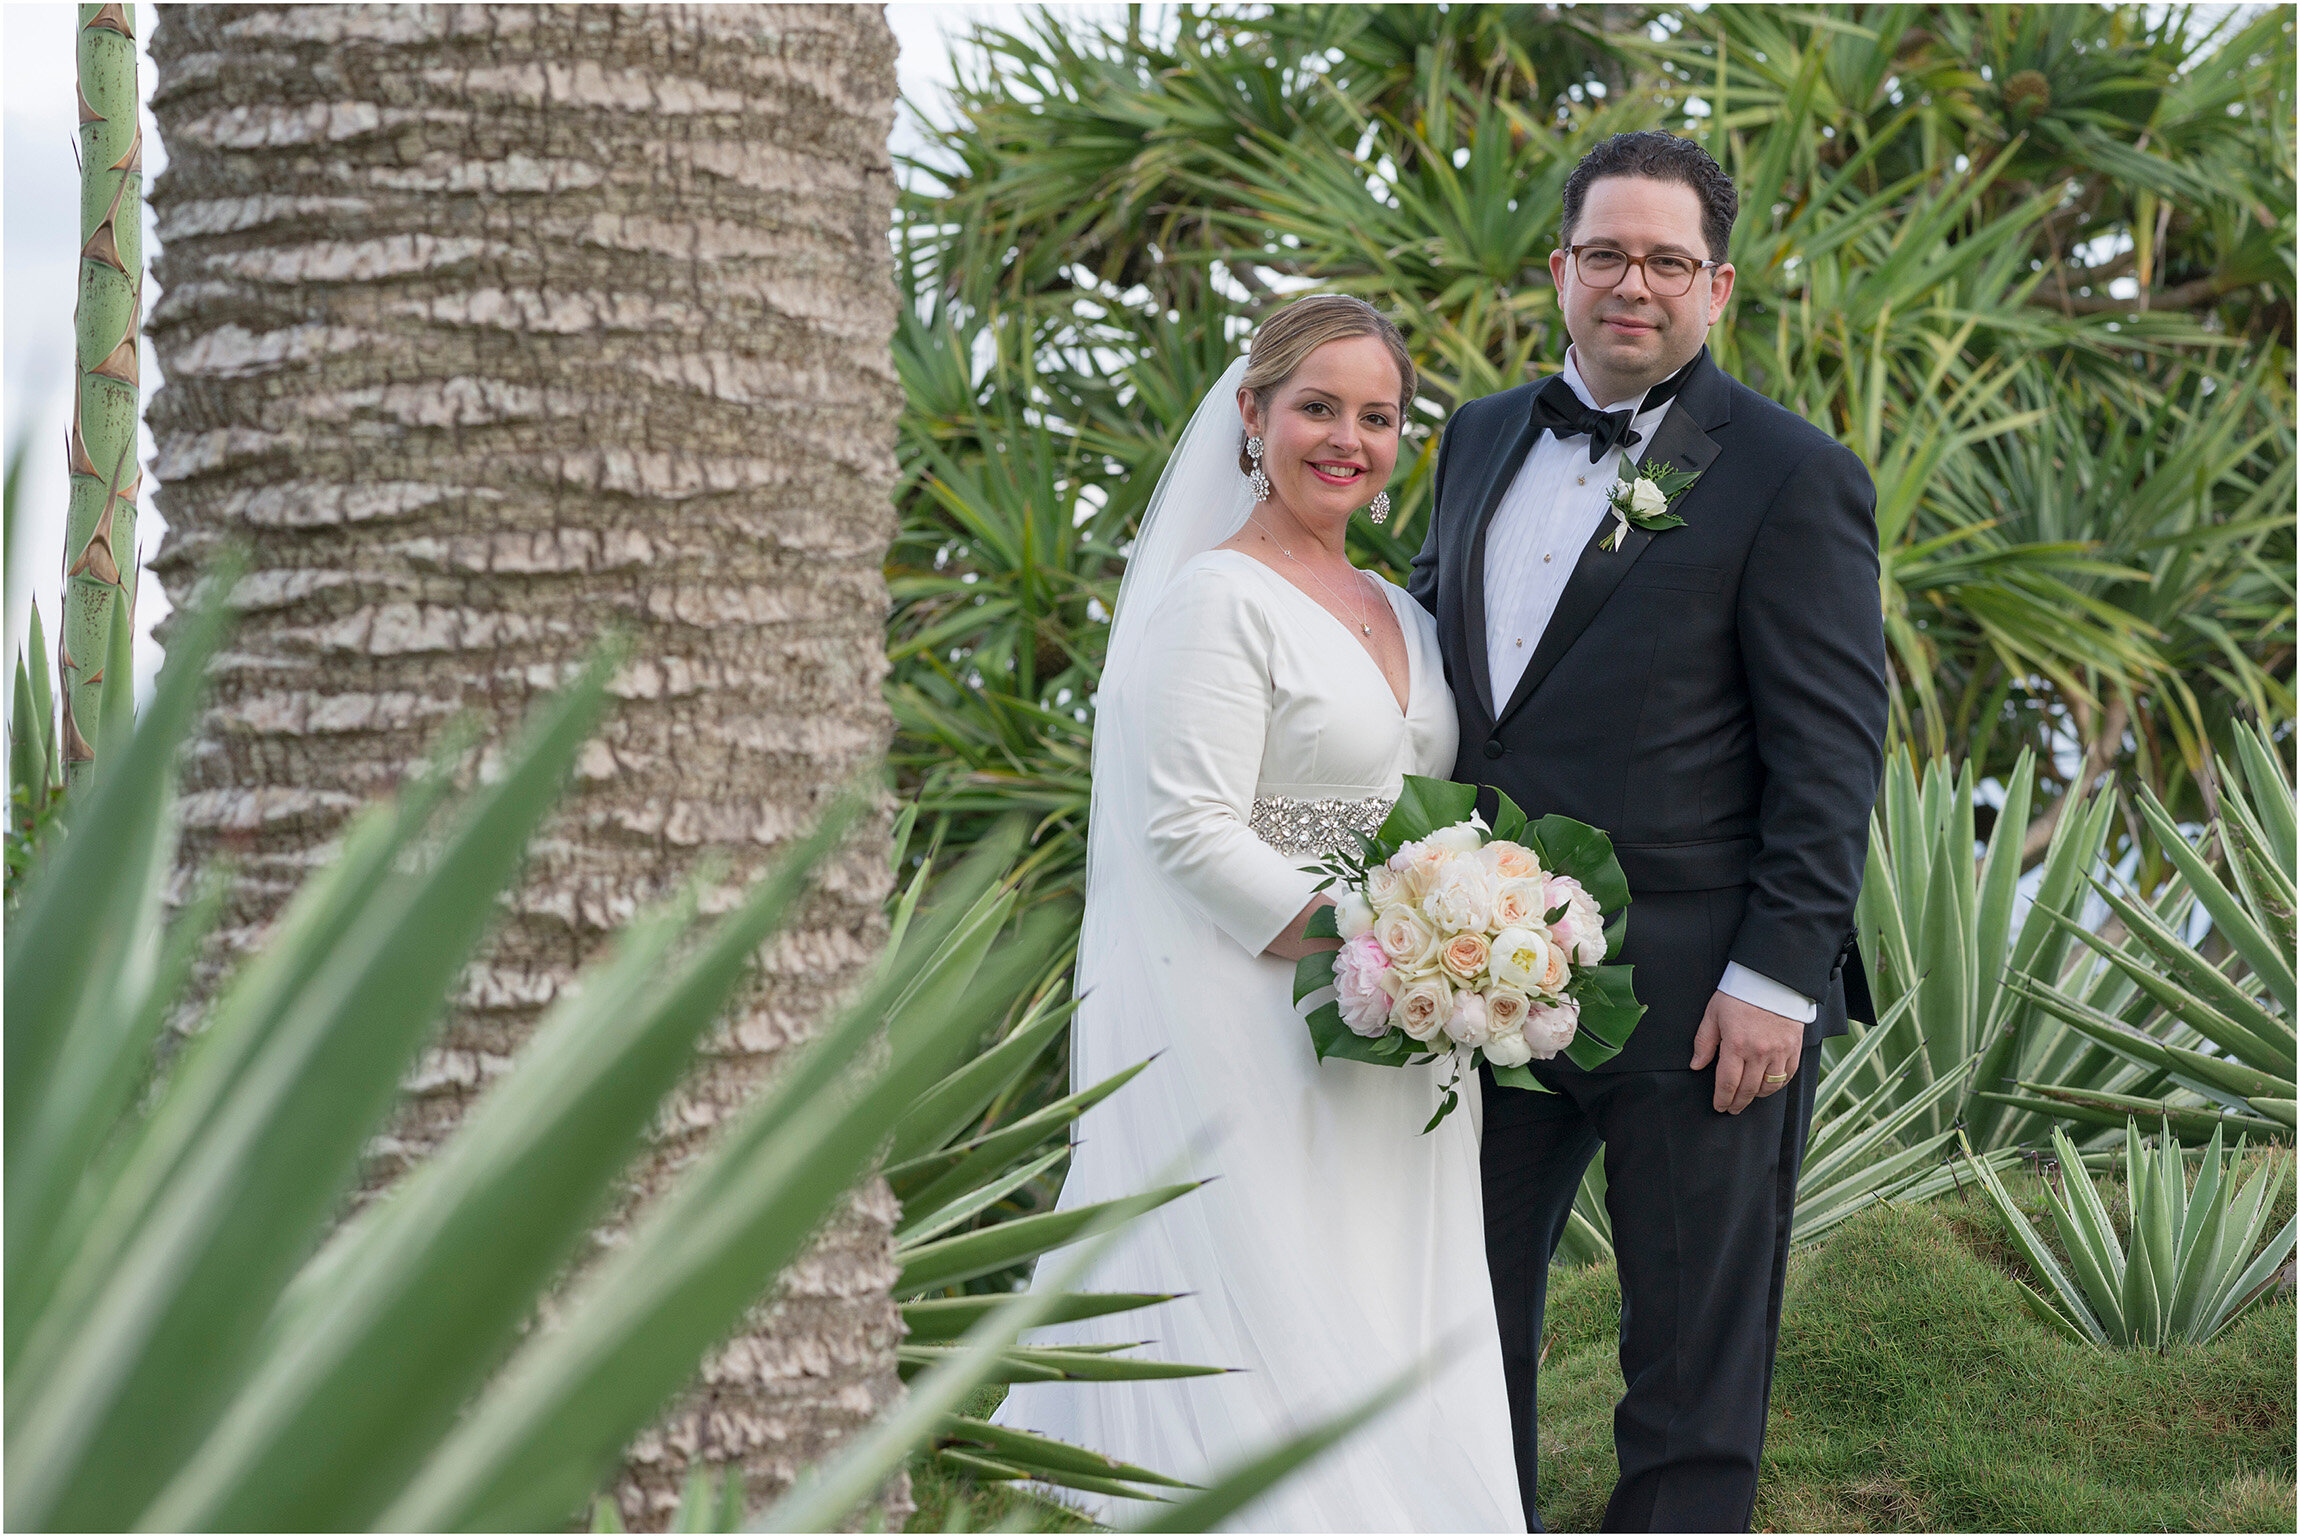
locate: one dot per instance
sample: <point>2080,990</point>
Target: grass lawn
<point>1913,1393</point>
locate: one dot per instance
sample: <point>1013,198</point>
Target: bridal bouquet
<point>1485,943</point>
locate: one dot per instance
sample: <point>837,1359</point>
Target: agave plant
<point>2221,1029</point>
<point>1937,930</point>
<point>2189,1266</point>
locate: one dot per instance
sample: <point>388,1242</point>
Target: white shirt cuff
<point>1757,988</point>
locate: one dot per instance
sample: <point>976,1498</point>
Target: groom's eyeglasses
<point>1666,273</point>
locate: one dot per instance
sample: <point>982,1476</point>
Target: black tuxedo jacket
<point>1712,696</point>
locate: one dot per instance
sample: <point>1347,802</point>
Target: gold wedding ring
<point>1779,1077</point>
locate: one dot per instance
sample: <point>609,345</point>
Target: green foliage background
<point>2085,498</point>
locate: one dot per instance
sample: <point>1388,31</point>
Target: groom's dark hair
<point>1664,157</point>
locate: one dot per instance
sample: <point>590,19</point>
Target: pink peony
<point>1359,970</point>
<point>1549,1027</point>
<point>1580,931</point>
<point>1469,1025</point>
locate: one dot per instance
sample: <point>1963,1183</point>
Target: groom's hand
<point>1756,1050</point>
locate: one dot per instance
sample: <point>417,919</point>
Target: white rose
<point>1646,497</point>
<point>1506,1007</point>
<point>1383,886</point>
<point>1470,1025</point>
<point>1415,865</point>
<point>1517,904</point>
<point>1423,1008</point>
<point>1461,838</point>
<point>1521,959</point>
<point>1460,898</point>
<point>1353,915</point>
<point>1404,937</point>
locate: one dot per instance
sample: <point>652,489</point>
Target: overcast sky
<point>39,199</point>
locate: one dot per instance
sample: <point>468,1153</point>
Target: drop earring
<point>1379,508</point>
<point>1256,481</point>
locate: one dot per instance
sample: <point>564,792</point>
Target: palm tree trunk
<point>107,324</point>
<point>489,328</point>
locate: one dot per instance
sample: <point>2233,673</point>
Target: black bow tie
<point>1557,409</point>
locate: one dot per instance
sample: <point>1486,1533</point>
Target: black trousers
<point>1701,1204</point>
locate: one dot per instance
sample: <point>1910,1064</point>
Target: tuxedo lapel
<point>1681,441</point>
<point>1501,469</point>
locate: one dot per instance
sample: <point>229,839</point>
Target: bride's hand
<point>1291,945</point>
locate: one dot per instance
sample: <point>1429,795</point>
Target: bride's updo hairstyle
<point>1300,329</point>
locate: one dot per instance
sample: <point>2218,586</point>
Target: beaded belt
<point>1305,827</point>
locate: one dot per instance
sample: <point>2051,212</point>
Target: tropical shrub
<point>2084,498</point>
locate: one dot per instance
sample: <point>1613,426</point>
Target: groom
<point>1713,695</point>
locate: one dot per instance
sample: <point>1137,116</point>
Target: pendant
<point>1365,629</point>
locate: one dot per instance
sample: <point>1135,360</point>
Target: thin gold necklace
<point>1358,608</point>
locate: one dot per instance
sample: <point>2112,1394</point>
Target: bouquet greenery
<point>1486,943</point>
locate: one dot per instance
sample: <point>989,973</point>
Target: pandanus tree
<point>107,323</point>
<point>487,329</point>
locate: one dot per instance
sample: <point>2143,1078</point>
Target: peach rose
<point>1464,956</point>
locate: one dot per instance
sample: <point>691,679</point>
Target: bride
<point>1261,699</point>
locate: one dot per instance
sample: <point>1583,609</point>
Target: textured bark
<point>486,328</point>
<point>107,321</point>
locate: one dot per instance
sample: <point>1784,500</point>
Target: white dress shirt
<point>1545,520</point>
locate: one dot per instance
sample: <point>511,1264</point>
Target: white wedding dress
<point>1336,1246</point>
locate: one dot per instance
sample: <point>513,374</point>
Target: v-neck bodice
<point>1249,692</point>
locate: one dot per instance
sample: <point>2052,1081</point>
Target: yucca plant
<point>2222,1026</point>
<point>2189,1264</point>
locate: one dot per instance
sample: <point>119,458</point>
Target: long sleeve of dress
<point>1205,705</point>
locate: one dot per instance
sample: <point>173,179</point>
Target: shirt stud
<point>1581,480</point>
<point>1547,556</point>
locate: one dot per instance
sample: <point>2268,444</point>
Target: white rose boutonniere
<point>1644,496</point>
